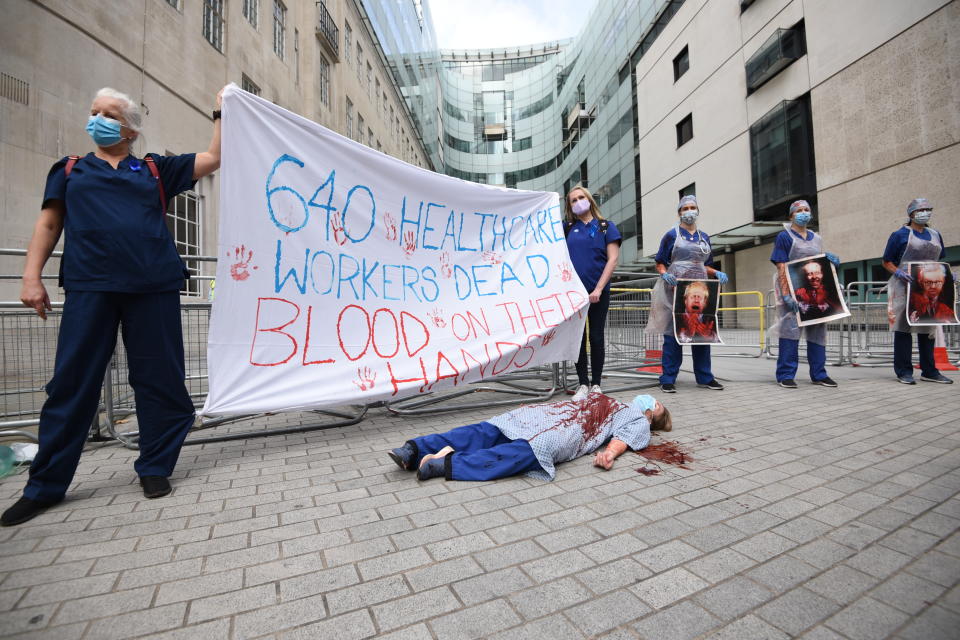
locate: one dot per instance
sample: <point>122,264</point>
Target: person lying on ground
<point>533,439</point>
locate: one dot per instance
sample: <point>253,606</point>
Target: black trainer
<point>713,384</point>
<point>825,382</point>
<point>942,379</point>
<point>403,456</point>
<point>155,486</point>
<point>790,383</point>
<point>24,509</point>
<point>668,388</point>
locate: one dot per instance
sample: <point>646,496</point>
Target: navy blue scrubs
<point>120,269</point>
<point>587,245</point>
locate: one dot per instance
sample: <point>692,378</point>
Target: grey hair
<point>935,269</point>
<point>129,108</point>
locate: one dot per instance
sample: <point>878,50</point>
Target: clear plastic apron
<point>686,261</point>
<point>785,326</point>
<point>917,250</point>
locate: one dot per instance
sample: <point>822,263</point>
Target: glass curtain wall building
<point>543,117</point>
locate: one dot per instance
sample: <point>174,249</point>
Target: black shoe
<point>432,468</point>
<point>788,384</point>
<point>24,509</point>
<point>942,379</point>
<point>403,456</point>
<point>155,486</point>
<point>906,380</point>
<point>825,382</point>
<point>713,384</point>
<point>668,388</point>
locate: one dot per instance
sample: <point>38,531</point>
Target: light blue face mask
<point>104,131</point>
<point>922,217</point>
<point>802,218</point>
<point>644,403</point>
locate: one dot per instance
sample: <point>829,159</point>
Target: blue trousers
<point>481,452</point>
<point>789,358</point>
<point>903,354</point>
<point>153,340</point>
<point>673,357</point>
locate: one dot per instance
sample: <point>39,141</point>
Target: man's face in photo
<point>695,299</point>
<point>932,284</point>
<point>814,275</point>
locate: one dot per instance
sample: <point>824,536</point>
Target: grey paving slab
<point>781,528</point>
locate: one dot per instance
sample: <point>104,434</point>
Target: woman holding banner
<point>915,241</point>
<point>685,252</point>
<point>120,269</point>
<point>594,245</point>
<point>793,243</point>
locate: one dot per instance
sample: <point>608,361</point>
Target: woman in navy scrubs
<point>685,252</point>
<point>120,269</point>
<point>594,245</point>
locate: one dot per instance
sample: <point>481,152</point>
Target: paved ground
<point>822,513</point>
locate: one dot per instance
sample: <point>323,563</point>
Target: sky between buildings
<point>485,24</point>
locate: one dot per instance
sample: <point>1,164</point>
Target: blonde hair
<point>697,285</point>
<point>594,209</point>
<point>129,108</point>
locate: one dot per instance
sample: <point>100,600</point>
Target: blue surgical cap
<point>918,203</point>
<point>687,200</point>
<point>797,204</point>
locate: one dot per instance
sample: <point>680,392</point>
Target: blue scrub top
<point>116,236</point>
<point>783,244</point>
<point>665,252</point>
<point>897,244</point>
<point>588,250</point>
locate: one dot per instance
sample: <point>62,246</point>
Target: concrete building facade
<point>852,105</point>
<point>321,60</point>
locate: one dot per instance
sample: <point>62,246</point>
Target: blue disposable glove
<point>834,258</point>
<point>902,275</point>
<point>722,277</point>
<point>669,279</point>
<point>790,303</point>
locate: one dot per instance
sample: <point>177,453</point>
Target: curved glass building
<point>542,117</point>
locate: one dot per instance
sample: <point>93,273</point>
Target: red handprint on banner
<point>241,257</point>
<point>437,318</point>
<point>409,243</point>
<point>366,378</point>
<point>548,337</point>
<point>446,269</point>
<point>390,225</point>
<point>566,273</point>
<point>491,257</point>
<point>336,225</point>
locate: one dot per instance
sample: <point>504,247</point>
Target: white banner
<point>347,276</point>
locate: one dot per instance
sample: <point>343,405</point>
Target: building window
<point>370,137</point>
<point>347,41</point>
<point>782,158</point>
<point>376,96</point>
<point>324,81</point>
<point>684,130</point>
<point>296,56</point>
<point>379,146</point>
<point>522,144</point>
<point>279,28</point>
<point>174,3</point>
<point>248,85</point>
<point>689,190</point>
<point>360,124</point>
<point>780,50</point>
<point>360,63</point>
<point>370,82</point>
<point>251,11</point>
<point>183,222</point>
<point>681,63</point>
<point>213,23</point>
<point>349,118</point>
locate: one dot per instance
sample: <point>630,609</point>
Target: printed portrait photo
<point>695,305</point>
<point>814,285</point>
<point>931,297</point>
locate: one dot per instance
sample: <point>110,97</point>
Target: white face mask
<point>689,216</point>
<point>922,217</point>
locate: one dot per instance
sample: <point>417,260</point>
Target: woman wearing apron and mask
<point>913,242</point>
<point>793,243</point>
<point>685,252</point>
